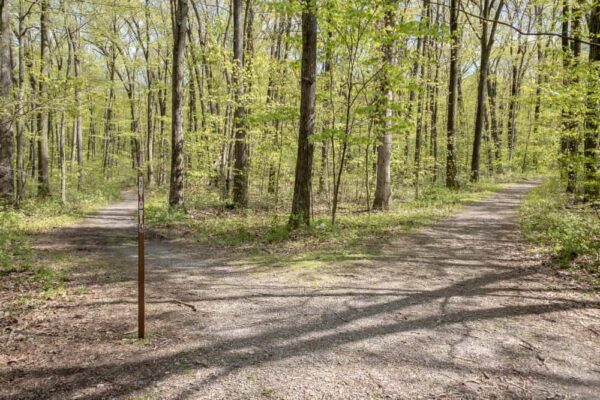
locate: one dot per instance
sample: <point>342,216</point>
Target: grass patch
<point>563,228</point>
<point>43,272</point>
<point>15,252</point>
<point>41,214</point>
<point>266,237</point>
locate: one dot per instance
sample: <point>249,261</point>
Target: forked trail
<point>458,310</point>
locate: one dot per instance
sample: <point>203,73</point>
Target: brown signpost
<point>141,266</point>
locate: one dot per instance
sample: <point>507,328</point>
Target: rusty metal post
<point>141,265</point>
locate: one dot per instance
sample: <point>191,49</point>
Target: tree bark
<point>240,153</point>
<point>569,123</point>
<point>487,41</point>
<point>301,202</point>
<point>74,37</point>
<point>21,175</point>
<point>6,136</point>
<point>383,187</point>
<point>42,162</point>
<point>592,132</point>
<point>180,23</point>
<point>149,100</point>
<point>451,181</point>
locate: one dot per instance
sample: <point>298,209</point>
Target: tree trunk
<point>240,153</point>
<point>487,41</point>
<point>494,128</point>
<point>451,181</point>
<point>177,157</point>
<point>512,116</point>
<point>421,109</point>
<point>301,202</point>
<point>108,114</point>
<point>42,162</point>
<point>569,122</point>
<point>6,136</point>
<point>61,160</point>
<point>383,187</point>
<point>590,143</point>
<point>21,175</point>
<point>149,101</point>
<point>78,124</point>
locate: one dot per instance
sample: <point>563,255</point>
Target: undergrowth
<point>266,234</point>
<point>561,226</point>
<point>20,264</point>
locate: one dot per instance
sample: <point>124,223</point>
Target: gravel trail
<point>459,310</point>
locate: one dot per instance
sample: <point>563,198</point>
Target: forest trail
<point>459,310</point>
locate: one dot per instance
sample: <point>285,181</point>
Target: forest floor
<point>461,309</point>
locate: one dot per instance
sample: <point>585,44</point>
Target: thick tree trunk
<point>42,162</point>
<point>487,41</point>
<point>383,188</point>
<point>592,132</point>
<point>301,202</point>
<point>240,153</point>
<point>451,181</point>
<point>177,156</point>
<point>6,136</point>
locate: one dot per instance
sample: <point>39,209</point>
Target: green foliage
<point>15,253</point>
<point>568,231</point>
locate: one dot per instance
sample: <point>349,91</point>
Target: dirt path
<point>457,311</point>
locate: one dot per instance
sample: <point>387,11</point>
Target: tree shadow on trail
<point>328,331</point>
<point>473,251</point>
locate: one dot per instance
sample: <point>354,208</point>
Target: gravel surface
<point>460,310</point>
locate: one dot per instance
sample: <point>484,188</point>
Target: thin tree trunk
<point>108,114</point>
<point>149,101</point>
<point>512,116</point>
<point>494,128</point>
<point>62,161</point>
<point>569,124</point>
<point>421,103</point>
<point>21,173</point>
<point>78,124</point>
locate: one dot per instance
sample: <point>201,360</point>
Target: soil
<point>459,310</point>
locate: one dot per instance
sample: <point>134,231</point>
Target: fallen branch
<point>193,307</point>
